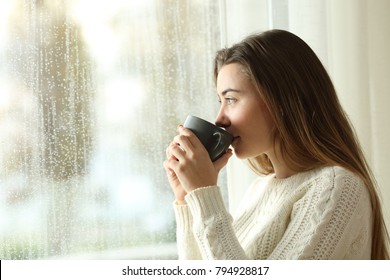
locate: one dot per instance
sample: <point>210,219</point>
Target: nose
<point>222,119</point>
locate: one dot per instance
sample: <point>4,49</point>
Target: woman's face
<point>243,113</point>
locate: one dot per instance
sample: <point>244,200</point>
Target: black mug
<point>215,139</point>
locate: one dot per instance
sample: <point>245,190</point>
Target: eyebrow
<point>223,93</point>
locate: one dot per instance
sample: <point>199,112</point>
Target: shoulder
<point>326,176</point>
<point>332,176</point>
<point>340,178</point>
<point>341,185</point>
<point>324,184</point>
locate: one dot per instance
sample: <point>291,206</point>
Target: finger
<point>193,139</point>
<point>171,166</point>
<point>179,127</point>
<point>168,170</point>
<point>169,154</point>
<point>223,160</point>
<point>176,152</point>
<point>184,143</point>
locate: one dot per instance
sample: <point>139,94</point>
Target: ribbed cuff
<point>183,217</point>
<point>205,202</point>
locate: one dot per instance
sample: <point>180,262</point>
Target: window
<point>90,95</point>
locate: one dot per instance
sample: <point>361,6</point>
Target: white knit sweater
<point>320,214</point>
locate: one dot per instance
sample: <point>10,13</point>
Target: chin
<point>243,154</point>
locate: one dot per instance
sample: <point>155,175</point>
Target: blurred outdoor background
<point>91,93</point>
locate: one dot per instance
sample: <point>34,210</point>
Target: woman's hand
<point>176,186</point>
<point>188,164</point>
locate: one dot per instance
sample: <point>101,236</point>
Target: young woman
<point>315,197</point>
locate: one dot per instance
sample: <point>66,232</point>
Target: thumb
<point>223,160</point>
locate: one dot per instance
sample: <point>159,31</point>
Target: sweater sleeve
<point>212,225</point>
<point>187,248</point>
<point>331,221</point>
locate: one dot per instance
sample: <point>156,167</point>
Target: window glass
<point>91,93</point>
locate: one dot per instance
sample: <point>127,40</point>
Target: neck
<point>282,173</point>
<point>282,170</point>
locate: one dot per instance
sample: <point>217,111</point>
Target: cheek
<point>241,120</point>
<point>244,123</point>
<point>259,122</point>
<point>263,116</point>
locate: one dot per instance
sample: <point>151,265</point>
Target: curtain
<point>360,66</point>
<point>91,93</point>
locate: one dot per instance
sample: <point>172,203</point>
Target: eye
<point>230,100</point>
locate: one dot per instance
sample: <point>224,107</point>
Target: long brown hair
<point>310,123</point>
